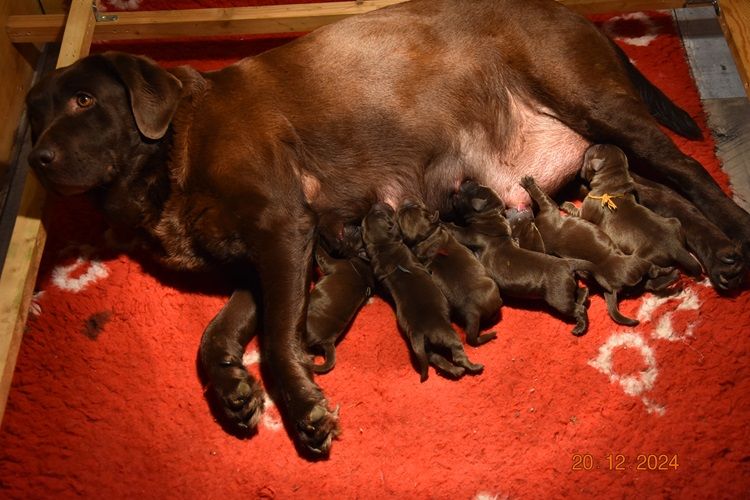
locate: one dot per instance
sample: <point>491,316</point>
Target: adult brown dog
<point>244,164</point>
<point>612,205</point>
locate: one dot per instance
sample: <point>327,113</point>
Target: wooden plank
<point>25,250</point>
<point>253,20</point>
<point>735,21</point>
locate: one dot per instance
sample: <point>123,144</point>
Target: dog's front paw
<point>317,429</point>
<point>527,181</point>
<point>725,268</point>
<point>240,397</point>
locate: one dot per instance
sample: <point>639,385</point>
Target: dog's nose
<point>41,157</point>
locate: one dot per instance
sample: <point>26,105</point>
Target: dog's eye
<point>84,100</point>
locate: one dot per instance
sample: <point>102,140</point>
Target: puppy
<point>612,205</point>
<point>720,256</point>
<point>345,286</point>
<point>421,309</point>
<point>518,272</point>
<point>576,237</point>
<point>471,293</point>
<point>524,230</point>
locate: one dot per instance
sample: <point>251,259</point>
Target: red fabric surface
<point>106,400</point>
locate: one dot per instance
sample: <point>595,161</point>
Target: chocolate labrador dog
<point>422,311</point>
<point>612,205</point>
<point>345,285</point>
<point>247,163</point>
<point>472,295</point>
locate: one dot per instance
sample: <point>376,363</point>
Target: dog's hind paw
<point>317,430</point>
<point>725,269</point>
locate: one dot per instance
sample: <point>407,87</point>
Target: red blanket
<point>106,400</point>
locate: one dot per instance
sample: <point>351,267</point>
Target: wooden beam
<point>735,21</point>
<point>25,250</point>
<point>253,20</point>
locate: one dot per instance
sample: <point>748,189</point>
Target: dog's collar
<point>606,199</point>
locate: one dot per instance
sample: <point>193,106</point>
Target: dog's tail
<point>665,111</point>
<point>329,358</point>
<point>614,312</point>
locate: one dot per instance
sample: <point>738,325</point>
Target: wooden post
<point>25,250</point>
<point>735,21</point>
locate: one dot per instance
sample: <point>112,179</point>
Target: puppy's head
<point>416,222</point>
<point>351,242</point>
<point>379,225</point>
<point>90,119</point>
<point>472,198</point>
<point>603,160</point>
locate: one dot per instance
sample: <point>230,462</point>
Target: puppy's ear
<point>478,204</point>
<point>154,92</point>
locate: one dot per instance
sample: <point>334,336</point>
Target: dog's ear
<point>154,92</point>
<point>478,204</point>
<point>435,217</point>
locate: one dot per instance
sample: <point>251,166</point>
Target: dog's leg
<point>472,328</point>
<point>570,209</point>
<point>284,263</point>
<point>223,343</point>
<point>721,258</point>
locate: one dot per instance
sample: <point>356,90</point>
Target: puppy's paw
<point>240,397</point>
<point>725,269</point>
<point>527,181</point>
<point>317,429</point>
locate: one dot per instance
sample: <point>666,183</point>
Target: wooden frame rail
<point>79,28</point>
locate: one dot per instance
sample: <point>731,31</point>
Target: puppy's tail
<point>329,358</point>
<point>614,312</point>
<point>665,111</point>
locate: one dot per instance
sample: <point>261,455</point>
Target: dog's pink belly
<point>537,145</point>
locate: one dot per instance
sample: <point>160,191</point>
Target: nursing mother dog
<point>250,163</point>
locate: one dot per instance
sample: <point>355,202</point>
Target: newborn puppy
<point>344,287</point>
<point>518,272</point>
<point>421,309</point>
<point>721,257</point>
<point>524,230</point>
<point>611,204</point>
<point>576,237</point>
<point>471,293</point>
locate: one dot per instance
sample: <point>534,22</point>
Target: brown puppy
<point>250,163</point>
<point>518,272</point>
<point>720,257</point>
<point>472,295</point>
<point>343,289</point>
<point>421,309</point>
<point>524,230</point>
<point>611,204</point>
<point>578,238</point>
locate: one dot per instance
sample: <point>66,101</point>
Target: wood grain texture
<point>27,242</point>
<point>253,20</point>
<point>735,21</point>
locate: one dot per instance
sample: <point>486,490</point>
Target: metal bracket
<point>695,3</point>
<point>102,18</point>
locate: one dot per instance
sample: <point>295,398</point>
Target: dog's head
<point>89,120</point>
<point>379,225</point>
<point>472,198</point>
<point>603,161</point>
<point>416,222</point>
<point>351,244</point>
